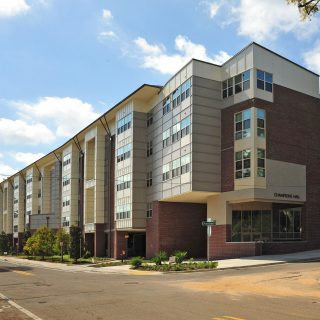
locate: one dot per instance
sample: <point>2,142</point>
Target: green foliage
<point>181,267</point>
<point>26,236</point>
<point>62,236</point>
<point>307,8</point>
<point>75,238</point>
<point>136,262</point>
<point>159,258</point>
<point>180,256</point>
<point>40,243</point>
<point>4,242</point>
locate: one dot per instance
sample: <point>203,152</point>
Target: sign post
<point>208,223</point>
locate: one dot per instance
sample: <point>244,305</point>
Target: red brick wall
<point>221,249</point>
<point>293,135</point>
<point>176,226</point>
<point>120,244</point>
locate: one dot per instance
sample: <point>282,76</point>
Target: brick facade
<point>292,132</point>
<point>176,226</point>
<point>221,248</point>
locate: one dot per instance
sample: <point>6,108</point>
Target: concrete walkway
<point>125,269</point>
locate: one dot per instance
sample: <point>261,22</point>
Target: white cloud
<point>107,35</point>
<point>106,15</point>
<point>67,115</point>
<point>27,157</point>
<point>21,132</point>
<point>312,58</point>
<point>155,56</point>
<point>10,8</point>
<point>6,171</point>
<point>213,8</point>
<point>262,20</point>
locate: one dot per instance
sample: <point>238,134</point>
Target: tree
<point>307,8</point>
<point>75,238</point>
<point>4,242</point>
<point>40,243</point>
<point>26,236</point>
<point>61,237</point>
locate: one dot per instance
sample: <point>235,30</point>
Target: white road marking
<point>25,311</point>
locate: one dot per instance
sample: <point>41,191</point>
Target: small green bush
<point>136,262</point>
<point>180,256</point>
<point>159,258</point>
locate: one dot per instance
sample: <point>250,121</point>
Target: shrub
<point>62,236</point>
<point>75,238</point>
<point>180,256</point>
<point>136,262</point>
<point>159,258</point>
<point>4,242</point>
<point>40,243</point>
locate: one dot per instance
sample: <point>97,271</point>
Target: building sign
<point>286,196</point>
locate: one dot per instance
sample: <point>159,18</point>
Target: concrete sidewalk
<point>125,269</point>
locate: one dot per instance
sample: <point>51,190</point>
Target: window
<point>261,156</point>
<point>15,228</point>
<point>124,123</point>
<point>29,213</point>
<point>185,90</point>
<point>250,225</point>
<point>185,126</point>
<point>176,98</point>
<point>264,80</point>
<point>166,105</point>
<point>176,132</point>
<point>15,214</point>
<point>65,203</point>
<point>66,182</point>
<point>240,82</point>
<point>165,172</point>
<point>149,148</point>
<point>176,168</point>
<point>15,201</point>
<point>242,124</point>
<point>261,116</point>
<point>124,153</point>
<point>29,178</point>
<point>149,210</point>
<point>16,186</point>
<point>39,209</point>
<point>166,138</point>
<point>287,224</point>
<point>123,211</point>
<point>39,193</point>
<point>243,163</point>
<point>185,164</point>
<point>66,162</point>
<point>149,119</point>
<point>124,182</point>
<point>149,179</point>
<point>65,221</point>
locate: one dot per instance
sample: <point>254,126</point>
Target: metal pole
<point>208,244</point>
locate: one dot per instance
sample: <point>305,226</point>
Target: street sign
<point>208,223</point>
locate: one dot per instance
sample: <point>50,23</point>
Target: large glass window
<point>66,162</point>
<point>185,164</point>
<point>149,148</point>
<point>149,210</point>
<point>264,80</point>
<point>287,224</point>
<point>176,132</point>
<point>248,226</point>
<point>242,126</point>
<point>243,164</point>
<point>149,179</point>
<point>123,182</point>
<point>234,85</point>
<point>176,167</point>
<point>261,122</point>
<point>123,211</point>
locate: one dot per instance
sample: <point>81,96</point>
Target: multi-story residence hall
<point>236,143</point>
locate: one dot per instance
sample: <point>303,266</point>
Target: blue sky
<point>64,62</point>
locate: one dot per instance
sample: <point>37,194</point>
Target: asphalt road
<point>289,291</point>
